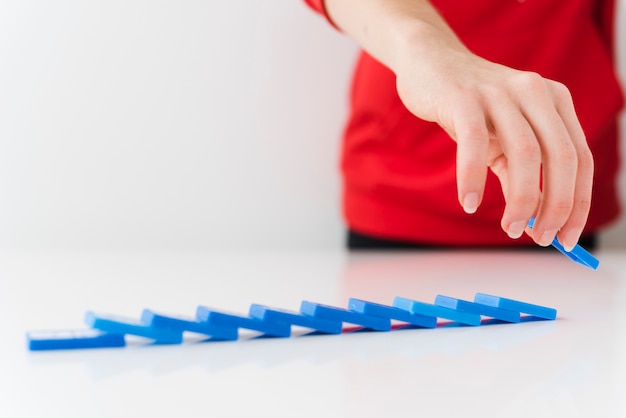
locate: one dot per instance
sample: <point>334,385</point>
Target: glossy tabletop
<point>572,367</point>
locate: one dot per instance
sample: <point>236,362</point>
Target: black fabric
<point>357,241</point>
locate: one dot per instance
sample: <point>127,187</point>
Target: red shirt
<point>399,171</point>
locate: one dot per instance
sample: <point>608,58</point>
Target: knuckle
<point>529,203</point>
<point>467,95</point>
<point>561,91</point>
<point>563,153</point>
<point>498,165</point>
<point>465,98</point>
<point>474,131</point>
<point>585,160</point>
<point>583,204</point>
<point>567,153</point>
<point>471,168</point>
<point>493,92</point>
<point>560,207</point>
<point>530,81</point>
<point>527,148</point>
<point>526,200</point>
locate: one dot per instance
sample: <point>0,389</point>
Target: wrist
<point>420,43</point>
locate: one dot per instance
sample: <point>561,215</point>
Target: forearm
<point>392,30</point>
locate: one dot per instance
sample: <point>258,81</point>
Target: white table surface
<point>572,367</point>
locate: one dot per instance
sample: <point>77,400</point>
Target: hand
<point>519,124</point>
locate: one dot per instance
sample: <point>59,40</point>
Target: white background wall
<point>174,124</point>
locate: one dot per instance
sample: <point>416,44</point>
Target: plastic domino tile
<point>578,253</point>
<point>427,309</point>
<point>110,330</point>
<point>267,314</point>
<point>389,312</point>
<point>120,325</point>
<point>477,308</point>
<point>222,319</point>
<point>71,339</point>
<point>181,324</point>
<point>515,305</point>
<point>331,313</point>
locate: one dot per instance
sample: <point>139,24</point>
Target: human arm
<point>516,123</point>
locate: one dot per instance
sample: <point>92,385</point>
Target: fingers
<point>561,149</point>
<point>570,232</point>
<point>558,156</point>
<point>526,130</point>
<point>521,186</point>
<point>472,139</point>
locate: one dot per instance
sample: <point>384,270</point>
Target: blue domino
<point>427,309</point>
<point>72,339</point>
<point>222,319</point>
<point>267,314</point>
<point>183,324</point>
<point>331,313</point>
<point>110,330</point>
<point>389,312</point>
<point>578,253</point>
<point>477,308</point>
<point>516,306</point>
<point>120,325</point>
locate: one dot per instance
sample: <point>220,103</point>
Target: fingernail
<point>547,237</point>
<point>470,202</point>
<point>516,229</point>
<point>570,239</point>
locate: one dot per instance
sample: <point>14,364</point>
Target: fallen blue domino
<point>477,308</point>
<point>390,312</point>
<point>120,325</point>
<point>332,313</point>
<point>516,306</point>
<point>275,315</point>
<point>188,324</point>
<point>72,339</point>
<point>427,309</point>
<point>578,253</point>
<point>222,319</point>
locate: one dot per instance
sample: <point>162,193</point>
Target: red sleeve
<point>320,7</point>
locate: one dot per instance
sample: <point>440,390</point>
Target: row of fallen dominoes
<point>110,330</point>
